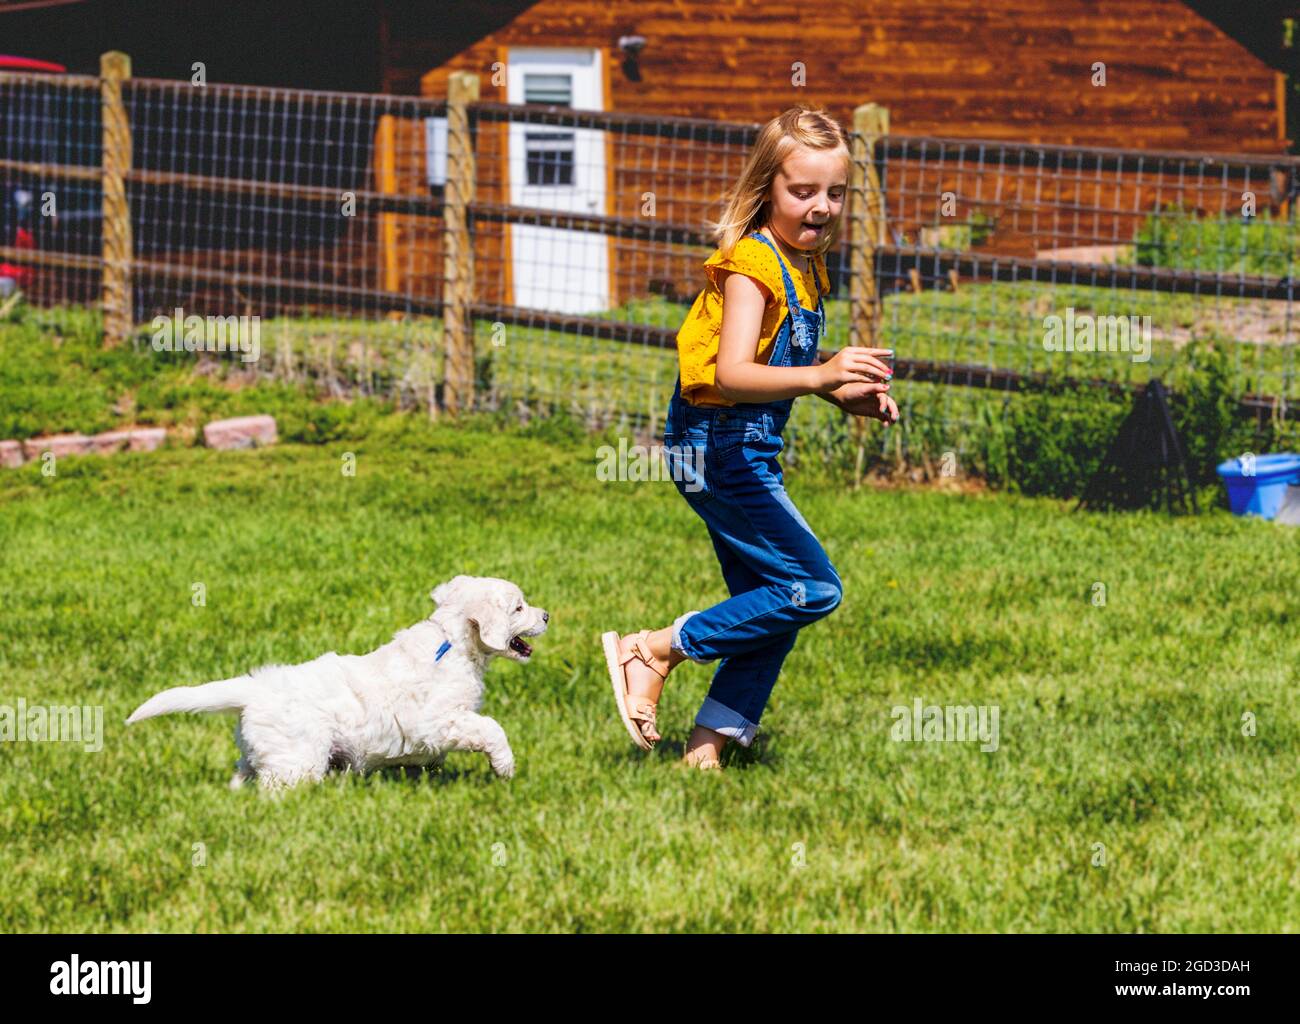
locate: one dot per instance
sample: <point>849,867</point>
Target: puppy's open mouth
<point>520,646</point>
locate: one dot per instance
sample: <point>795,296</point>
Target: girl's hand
<point>869,400</point>
<point>853,364</point>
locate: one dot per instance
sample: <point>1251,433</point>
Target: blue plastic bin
<point>1261,494</point>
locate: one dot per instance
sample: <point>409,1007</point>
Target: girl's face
<point>807,196</point>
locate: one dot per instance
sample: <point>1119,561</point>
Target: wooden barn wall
<point>408,247</point>
<point>492,259</point>
<point>1015,70</point>
<point>1008,69</point>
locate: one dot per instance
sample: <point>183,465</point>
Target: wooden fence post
<point>866,230</point>
<point>117,249</point>
<point>866,223</point>
<point>458,246</point>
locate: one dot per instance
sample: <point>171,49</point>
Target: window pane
<point>556,89</point>
<point>549,157</point>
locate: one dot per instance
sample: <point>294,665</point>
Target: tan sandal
<point>637,711</point>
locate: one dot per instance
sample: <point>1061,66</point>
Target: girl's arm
<point>832,396</point>
<point>740,379</point>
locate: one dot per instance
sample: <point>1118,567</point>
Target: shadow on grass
<point>416,775</point>
<point>411,776</point>
<point>758,754</point>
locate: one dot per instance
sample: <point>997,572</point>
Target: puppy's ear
<point>492,621</point>
<point>445,593</point>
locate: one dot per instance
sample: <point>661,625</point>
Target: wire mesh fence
<point>288,222</point>
<point>1203,245</point>
<point>52,199</point>
<point>456,253</point>
<point>1007,262</point>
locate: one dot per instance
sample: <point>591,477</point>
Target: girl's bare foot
<point>704,748</point>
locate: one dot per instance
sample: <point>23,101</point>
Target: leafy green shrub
<point>992,457</point>
<point>1051,437</point>
<point>1056,434</point>
<point>960,236</point>
<point>1178,238</point>
<point>559,426</point>
<point>1210,422</point>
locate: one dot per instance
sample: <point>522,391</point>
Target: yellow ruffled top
<point>697,341</point>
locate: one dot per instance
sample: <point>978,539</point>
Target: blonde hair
<point>747,204</point>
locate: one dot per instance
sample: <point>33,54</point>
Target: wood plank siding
<point>1015,70</point>
<point>1005,69</point>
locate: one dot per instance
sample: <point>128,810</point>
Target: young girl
<point>748,348</point>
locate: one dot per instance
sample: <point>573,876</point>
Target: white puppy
<point>407,703</point>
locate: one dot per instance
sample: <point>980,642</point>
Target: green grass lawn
<point>1120,725</point>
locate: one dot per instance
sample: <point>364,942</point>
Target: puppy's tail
<point>224,695</point>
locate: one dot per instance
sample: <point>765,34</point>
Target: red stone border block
<point>241,432</point>
<point>136,439</point>
<point>112,441</point>
<point>139,439</point>
<point>59,444</point>
<point>147,439</point>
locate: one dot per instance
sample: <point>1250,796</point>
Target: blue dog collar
<point>446,646</point>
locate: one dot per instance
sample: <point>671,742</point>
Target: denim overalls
<point>723,461</point>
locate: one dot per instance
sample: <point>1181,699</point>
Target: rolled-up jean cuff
<point>722,719</point>
<point>676,642</point>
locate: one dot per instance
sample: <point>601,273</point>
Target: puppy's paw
<point>505,767</point>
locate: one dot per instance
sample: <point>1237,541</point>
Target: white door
<point>557,168</point>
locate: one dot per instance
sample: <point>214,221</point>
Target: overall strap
<point>795,318</point>
<point>791,297</point>
<point>820,330</point>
